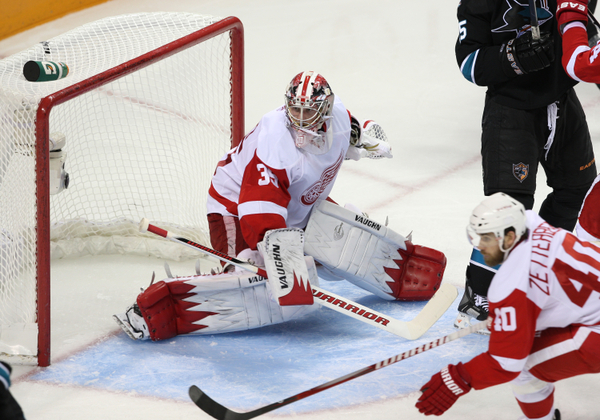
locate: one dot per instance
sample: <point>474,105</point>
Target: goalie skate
<point>132,322</point>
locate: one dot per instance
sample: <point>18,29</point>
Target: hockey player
<point>9,407</point>
<point>544,311</point>
<point>531,117</point>
<point>267,204</point>
<point>579,61</point>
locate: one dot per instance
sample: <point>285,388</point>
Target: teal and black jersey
<point>484,26</point>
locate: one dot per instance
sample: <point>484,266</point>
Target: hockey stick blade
<point>410,330</point>
<point>220,412</point>
<point>211,407</point>
<point>433,310</point>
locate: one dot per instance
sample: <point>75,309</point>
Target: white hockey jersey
<point>269,183</point>
<point>550,279</point>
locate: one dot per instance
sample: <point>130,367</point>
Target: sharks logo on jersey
<point>517,18</point>
<point>520,171</point>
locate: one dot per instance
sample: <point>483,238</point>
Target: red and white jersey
<point>582,63</point>
<point>269,183</point>
<point>588,224</point>
<point>579,60</point>
<point>550,279</point>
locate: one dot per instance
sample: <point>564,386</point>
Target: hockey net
<point>150,104</point>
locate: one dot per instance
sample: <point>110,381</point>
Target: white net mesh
<point>144,145</point>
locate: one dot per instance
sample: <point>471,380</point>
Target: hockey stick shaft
<point>593,19</point>
<point>145,225</point>
<point>535,27</point>
<point>410,330</point>
<point>220,412</point>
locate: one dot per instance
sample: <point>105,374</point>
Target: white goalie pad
<point>287,267</point>
<point>353,247</point>
<point>227,302</point>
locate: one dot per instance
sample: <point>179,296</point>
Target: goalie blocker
<point>286,266</point>
<point>371,256</point>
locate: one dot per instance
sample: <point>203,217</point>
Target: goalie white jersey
<point>268,175</point>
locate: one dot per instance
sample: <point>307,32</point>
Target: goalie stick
<point>220,412</point>
<point>410,330</point>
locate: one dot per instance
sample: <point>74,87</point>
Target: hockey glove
<point>570,11</point>
<point>524,55</point>
<point>253,256</point>
<point>367,140</point>
<point>443,389</point>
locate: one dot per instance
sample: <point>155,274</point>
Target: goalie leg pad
<point>212,304</point>
<point>371,255</point>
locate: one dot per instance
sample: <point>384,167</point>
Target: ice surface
<point>391,61</point>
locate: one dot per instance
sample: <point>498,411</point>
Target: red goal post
<point>150,103</point>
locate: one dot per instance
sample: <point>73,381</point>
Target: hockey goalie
<point>268,204</point>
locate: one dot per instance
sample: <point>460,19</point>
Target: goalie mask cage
<point>151,102</point>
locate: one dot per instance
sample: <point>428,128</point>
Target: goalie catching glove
<point>370,255</point>
<point>367,139</point>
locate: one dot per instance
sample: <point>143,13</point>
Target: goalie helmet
<point>308,104</point>
<point>496,214</point>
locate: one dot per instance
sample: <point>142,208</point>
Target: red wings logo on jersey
<point>312,193</point>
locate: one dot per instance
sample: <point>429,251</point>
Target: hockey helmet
<point>495,214</point>
<point>308,100</point>
<point>308,104</point>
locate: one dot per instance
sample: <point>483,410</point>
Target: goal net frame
<point>233,26</point>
